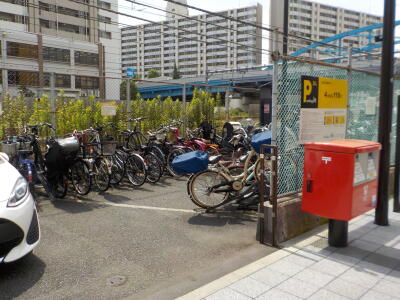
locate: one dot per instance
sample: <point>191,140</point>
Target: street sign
<point>130,72</point>
<point>108,109</point>
<point>323,113</point>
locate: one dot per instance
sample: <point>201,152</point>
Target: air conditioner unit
<point>83,94</point>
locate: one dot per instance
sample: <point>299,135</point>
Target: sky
<point>132,9</point>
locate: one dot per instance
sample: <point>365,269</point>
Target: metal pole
<point>285,27</point>
<point>275,80</point>
<point>184,125</point>
<point>396,201</point>
<point>227,104</point>
<point>53,99</point>
<point>128,101</point>
<point>385,113</point>
<point>349,79</point>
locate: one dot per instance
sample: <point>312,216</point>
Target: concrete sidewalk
<point>307,268</point>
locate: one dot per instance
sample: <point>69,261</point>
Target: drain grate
<point>117,280</point>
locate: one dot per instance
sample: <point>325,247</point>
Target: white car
<point>19,225</point>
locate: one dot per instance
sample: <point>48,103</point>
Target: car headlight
<point>19,192</point>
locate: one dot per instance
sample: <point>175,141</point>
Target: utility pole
<point>385,112</point>
<point>128,101</point>
<point>285,27</point>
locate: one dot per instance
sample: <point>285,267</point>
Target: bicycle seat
<point>214,159</point>
<point>180,139</point>
<point>68,145</point>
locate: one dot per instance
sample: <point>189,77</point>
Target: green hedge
<point>82,113</point>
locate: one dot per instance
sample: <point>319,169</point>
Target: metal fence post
<point>275,80</point>
<point>184,125</point>
<point>349,79</point>
<point>53,95</point>
<point>227,104</point>
<point>128,101</point>
<point>396,200</point>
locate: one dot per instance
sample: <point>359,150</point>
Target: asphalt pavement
<point>143,243</point>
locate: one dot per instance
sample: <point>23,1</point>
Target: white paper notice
<point>359,175</point>
<point>371,170</point>
<point>370,106</point>
<point>322,124</point>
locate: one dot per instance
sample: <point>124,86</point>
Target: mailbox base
<point>337,233</point>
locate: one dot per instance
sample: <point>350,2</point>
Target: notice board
<point>323,113</point>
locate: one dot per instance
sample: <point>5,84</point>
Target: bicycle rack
<point>270,152</point>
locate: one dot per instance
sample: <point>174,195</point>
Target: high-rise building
<point>196,45</point>
<point>315,21</point>
<point>77,40</point>
<point>175,11</point>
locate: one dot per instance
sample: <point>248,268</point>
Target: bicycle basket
<point>90,150</point>
<point>9,149</point>
<point>108,148</point>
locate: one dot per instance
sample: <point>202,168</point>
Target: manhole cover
<point>116,280</point>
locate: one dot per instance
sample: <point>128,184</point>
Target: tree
<point>176,74</point>
<point>122,91</point>
<point>153,74</point>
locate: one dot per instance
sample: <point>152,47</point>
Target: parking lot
<point>126,243</point>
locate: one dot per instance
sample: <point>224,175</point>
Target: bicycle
<point>216,187</point>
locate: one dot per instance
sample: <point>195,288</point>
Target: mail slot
<point>340,179</point>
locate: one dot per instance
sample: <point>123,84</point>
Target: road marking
<point>149,207</point>
<point>192,211</point>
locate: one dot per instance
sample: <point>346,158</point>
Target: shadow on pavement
<point>21,275</point>
<point>228,216</point>
<point>74,207</point>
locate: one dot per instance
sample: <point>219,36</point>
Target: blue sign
<point>130,72</point>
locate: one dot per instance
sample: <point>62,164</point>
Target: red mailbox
<point>340,178</point>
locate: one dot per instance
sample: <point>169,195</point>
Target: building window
<point>13,18</point>
<point>104,34</point>
<point>103,4</point>
<point>18,2</point>
<point>104,19</point>
<point>22,50</point>
<point>86,58</point>
<point>63,81</point>
<point>73,28</point>
<point>56,54</point>
<point>23,78</point>
<point>84,82</point>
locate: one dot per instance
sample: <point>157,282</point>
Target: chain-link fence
<point>362,123</point>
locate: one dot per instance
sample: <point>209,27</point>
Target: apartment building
<point>78,41</point>
<point>315,21</point>
<point>197,45</point>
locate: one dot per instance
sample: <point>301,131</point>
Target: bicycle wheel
<point>171,155</point>
<point>153,167</point>
<point>160,155</point>
<point>43,180</point>
<point>58,184</point>
<point>101,174</point>
<point>80,177</point>
<point>200,189</point>
<point>257,169</point>
<point>117,169</point>
<point>135,170</point>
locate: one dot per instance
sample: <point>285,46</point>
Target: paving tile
<point>371,268</point>
<point>286,267</point>
<point>250,287</point>
<point>324,294</point>
<point>315,277</point>
<point>346,289</point>
<point>298,288</point>
<point>269,277</point>
<point>376,238</point>
<point>364,245</point>
<point>227,294</point>
<point>393,276</point>
<point>390,252</point>
<point>299,259</point>
<point>330,267</point>
<point>360,277</point>
<point>382,260</point>
<point>275,294</point>
<point>373,295</point>
<point>387,287</point>
<point>311,255</point>
<point>344,259</point>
